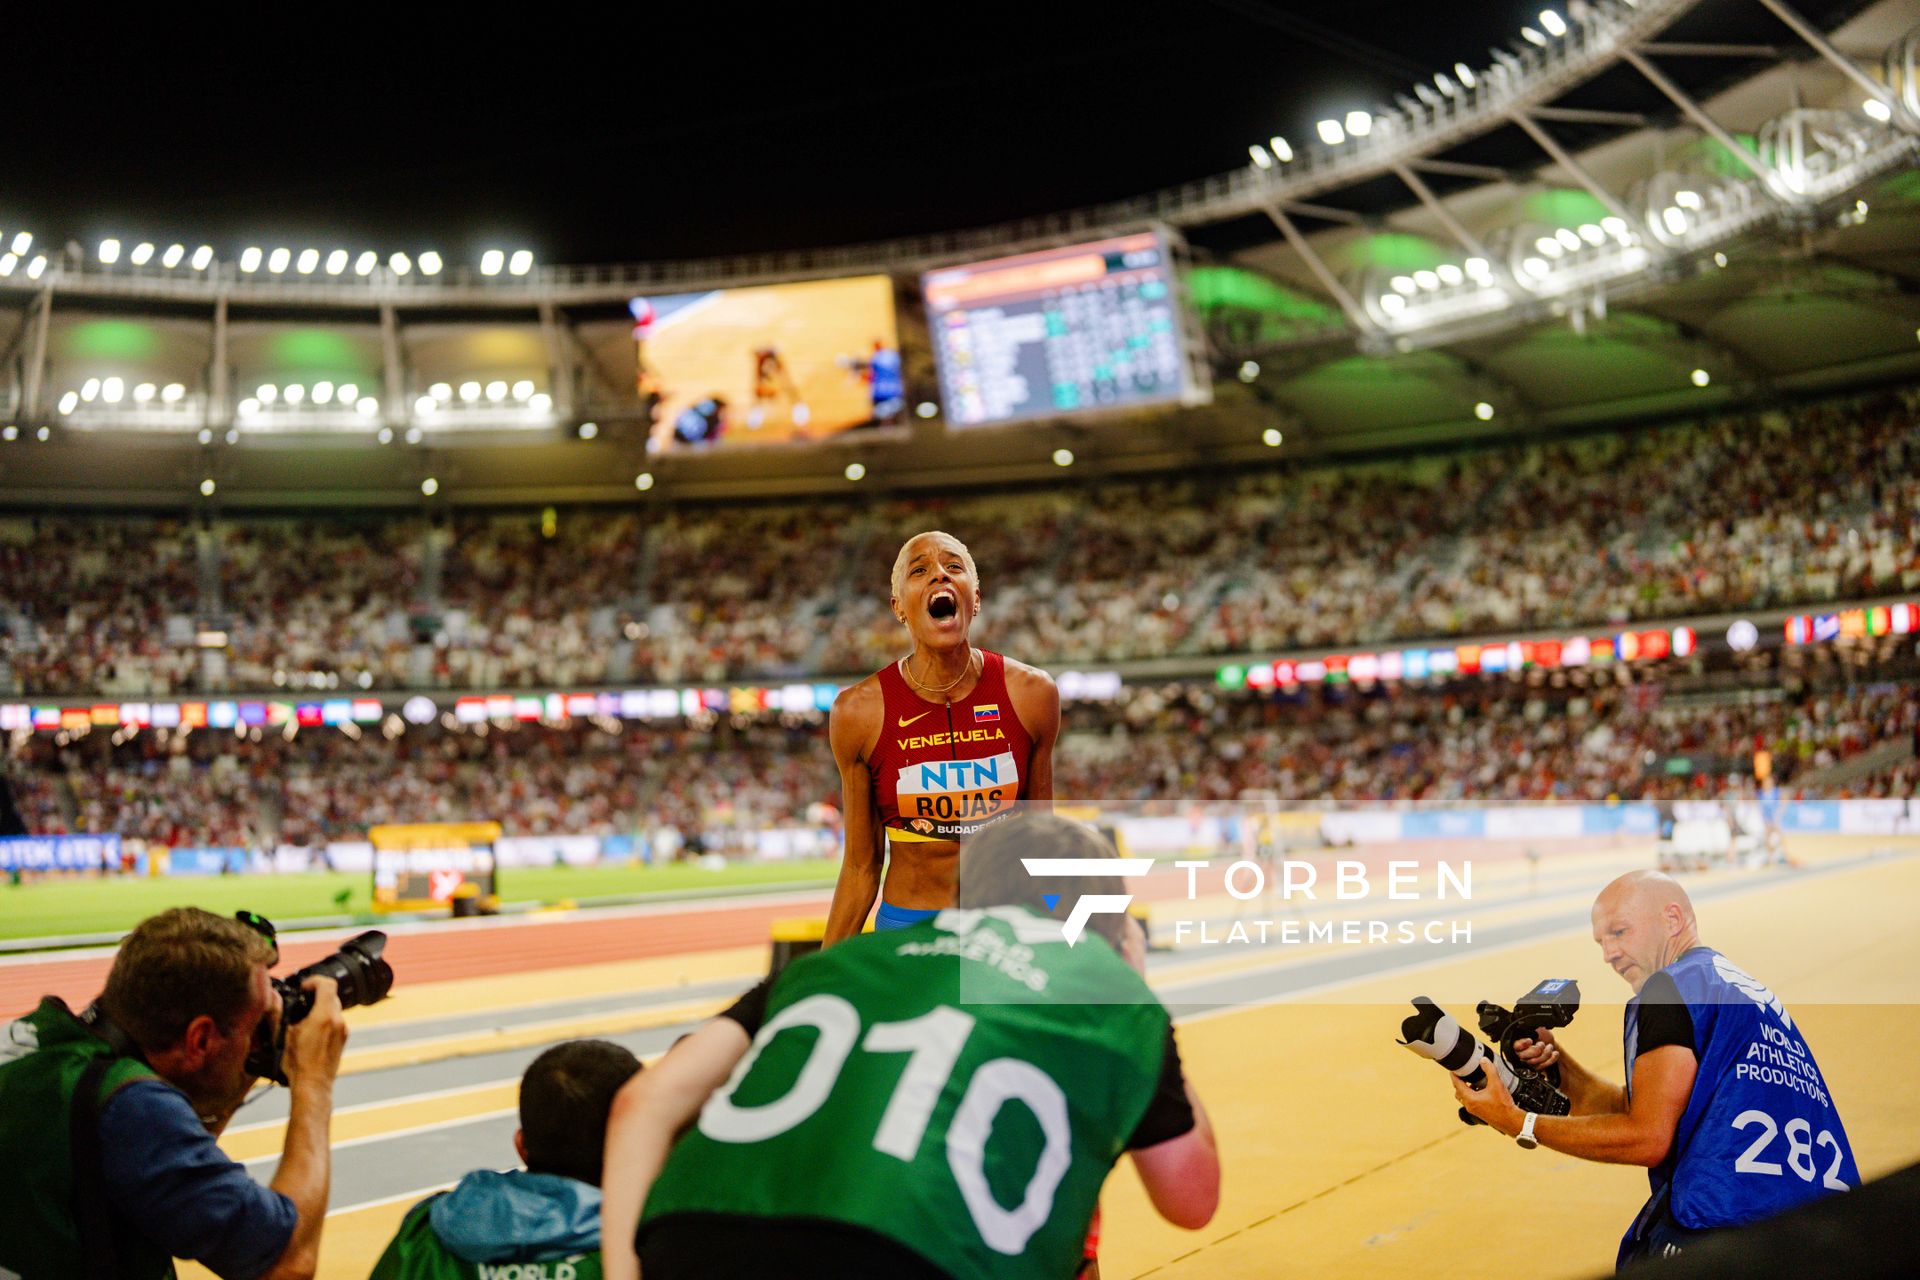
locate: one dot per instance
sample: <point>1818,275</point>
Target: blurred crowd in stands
<point>1160,748</point>
<point>1795,505</point>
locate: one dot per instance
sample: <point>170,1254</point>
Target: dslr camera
<point>1432,1033</point>
<point>362,976</point>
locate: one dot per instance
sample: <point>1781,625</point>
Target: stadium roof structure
<point>1641,209</point>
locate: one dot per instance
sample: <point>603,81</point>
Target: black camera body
<point>1432,1033</point>
<point>362,976</point>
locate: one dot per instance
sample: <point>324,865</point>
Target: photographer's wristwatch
<point>1525,1137</point>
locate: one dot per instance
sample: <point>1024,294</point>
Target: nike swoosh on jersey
<point>907,720</point>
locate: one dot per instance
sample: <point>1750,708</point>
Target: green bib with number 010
<point>961,1087</point>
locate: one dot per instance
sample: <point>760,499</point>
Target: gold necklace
<point>965,671</point>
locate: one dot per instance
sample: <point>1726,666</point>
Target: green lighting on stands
<point>111,339</point>
<point>1230,677</point>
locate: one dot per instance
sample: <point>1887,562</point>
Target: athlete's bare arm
<point>1036,700</point>
<point>852,728</point>
<point>1182,1175</point>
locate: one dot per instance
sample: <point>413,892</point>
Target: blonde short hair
<point>900,560</point>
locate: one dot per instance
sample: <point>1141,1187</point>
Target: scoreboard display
<point>1062,331</point>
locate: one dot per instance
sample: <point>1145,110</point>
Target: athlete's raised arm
<point>850,726</point>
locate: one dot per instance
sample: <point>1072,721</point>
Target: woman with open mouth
<point>933,747</point>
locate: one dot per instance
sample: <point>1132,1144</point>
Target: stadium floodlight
<point>144,393</point>
<point>1591,233</point>
<point>440,391</point>
<point>1465,74</point>
<point>1720,260</point>
<point>1483,411</point>
<point>171,258</point>
<point>414,435</point>
<point>1445,84</point>
<point>1535,267</point>
<point>1549,246</point>
<point>1258,154</point>
<point>643,481</point>
<point>279,260</point>
<point>366,406</point>
<point>430,263</point>
<point>202,258</point>
<point>365,263</point>
<point>1272,438</point>
<point>497,389</point>
<point>142,254</point>
<point>856,471</point>
<point>1331,133</point>
<point>588,430</point>
<point>1063,457</point>
<point>1701,377</point>
<point>323,393</point>
<point>250,259</point>
<point>540,402</point>
<point>1281,148</point>
<point>384,435</point>
<point>7,263</point>
<point>429,486</point>
<point>1555,24</point>
<point>469,390</point>
<point>249,406</point>
<point>491,261</point>
<point>1687,199</point>
<point>206,435</point>
<point>521,262</point>
<point>523,389</point>
<point>336,262</point>
<point>1675,220</point>
<point>1450,274</point>
<point>1533,37</point>
<point>37,267</point>
<point>1392,303</point>
<point>425,404</point>
<point>1877,109</point>
<point>207,487</point>
<point>1402,284</point>
<point>22,241</point>
<point>173,393</point>
<point>399,263</point>
<point>42,435</point>
<point>1479,269</point>
<point>232,436</point>
<point>9,433</point>
<point>1568,237</point>
<point>309,259</point>
<point>1614,226</point>
<point>89,389</point>
<point>347,393</point>
<point>1426,279</point>
<point>109,252</point>
<point>267,393</point>
<point>294,394</point>
<point>69,402</point>
<point>1359,123</point>
<point>113,390</point>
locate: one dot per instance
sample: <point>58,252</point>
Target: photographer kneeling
<point>109,1119</point>
<point>1723,1103</point>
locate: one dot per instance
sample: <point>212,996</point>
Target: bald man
<point>1723,1103</point>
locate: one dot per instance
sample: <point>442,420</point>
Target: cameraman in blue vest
<point>1723,1103</point>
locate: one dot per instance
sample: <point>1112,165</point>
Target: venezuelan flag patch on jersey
<point>986,711</point>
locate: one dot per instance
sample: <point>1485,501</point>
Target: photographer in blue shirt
<point>1723,1102</point>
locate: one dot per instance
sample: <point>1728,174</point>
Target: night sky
<point>677,130</point>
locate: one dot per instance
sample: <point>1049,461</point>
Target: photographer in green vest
<point>109,1118</point>
<point>941,1100</point>
<point>537,1223</point>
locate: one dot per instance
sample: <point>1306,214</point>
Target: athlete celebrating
<point>934,747</point>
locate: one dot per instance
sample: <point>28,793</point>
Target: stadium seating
<point>1808,504</point>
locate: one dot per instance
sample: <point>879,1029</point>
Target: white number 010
<point>933,1041</point>
<point>1800,1145</point>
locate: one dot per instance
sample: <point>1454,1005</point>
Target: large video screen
<point>770,365</point>
<point>1089,326</point>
